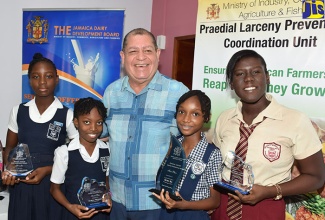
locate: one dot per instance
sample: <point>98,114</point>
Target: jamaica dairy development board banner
<point>83,44</point>
<point>290,35</point>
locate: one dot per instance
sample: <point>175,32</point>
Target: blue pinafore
<point>187,189</point>
<point>77,170</point>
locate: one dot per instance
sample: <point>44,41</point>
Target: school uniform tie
<point>234,208</point>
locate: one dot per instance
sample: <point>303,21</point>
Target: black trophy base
<point>172,196</point>
<point>227,188</point>
<point>97,206</point>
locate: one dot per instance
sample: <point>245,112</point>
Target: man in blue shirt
<point>141,108</point>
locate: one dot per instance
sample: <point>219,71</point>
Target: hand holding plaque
<point>19,162</point>
<point>171,169</point>
<point>236,166</point>
<point>93,194</point>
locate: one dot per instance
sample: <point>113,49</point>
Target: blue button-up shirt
<point>139,127</point>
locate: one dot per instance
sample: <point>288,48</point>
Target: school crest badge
<point>104,163</point>
<point>271,151</point>
<point>53,131</point>
<point>198,167</point>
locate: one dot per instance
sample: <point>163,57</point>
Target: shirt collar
<point>272,111</point>
<point>75,144</point>
<point>55,104</point>
<point>197,150</point>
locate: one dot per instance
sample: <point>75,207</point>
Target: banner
<point>290,35</point>
<point>83,44</point>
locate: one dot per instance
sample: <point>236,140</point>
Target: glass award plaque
<point>236,166</point>
<point>93,194</point>
<point>19,162</point>
<point>171,169</point>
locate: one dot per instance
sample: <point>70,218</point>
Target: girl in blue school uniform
<point>84,156</point>
<point>203,160</point>
<point>43,124</point>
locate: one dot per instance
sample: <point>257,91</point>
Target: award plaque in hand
<point>92,194</point>
<point>171,169</point>
<point>19,162</point>
<point>236,166</point>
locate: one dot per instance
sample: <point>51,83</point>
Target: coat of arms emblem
<point>37,30</point>
<point>213,11</point>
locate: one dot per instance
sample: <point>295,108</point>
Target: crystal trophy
<point>19,161</point>
<point>93,194</point>
<point>171,169</point>
<point>234,165</point>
